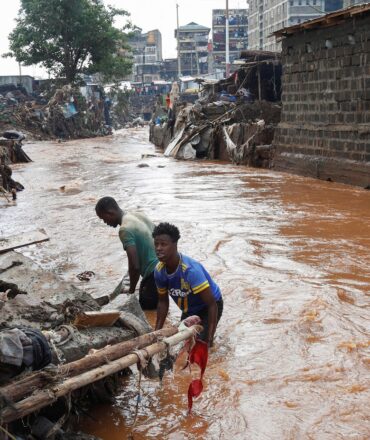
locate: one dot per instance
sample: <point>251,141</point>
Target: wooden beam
<point>21,388</point>
<point>21,240</point>
<point>46,397</point>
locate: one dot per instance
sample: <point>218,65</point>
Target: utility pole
<point>20,73</point>
<point>227,41</point>
<point>178,43</point>
<point>142,67</point>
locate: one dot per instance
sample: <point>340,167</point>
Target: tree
<point>69,37</point>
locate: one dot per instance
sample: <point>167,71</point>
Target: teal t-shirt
<point>136,230</point>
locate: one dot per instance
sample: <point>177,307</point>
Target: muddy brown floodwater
<point>291,255</point>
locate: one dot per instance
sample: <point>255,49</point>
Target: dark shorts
<point>203,315</point>
<point>148,295</point>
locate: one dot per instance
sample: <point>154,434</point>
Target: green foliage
<point>69,37</point>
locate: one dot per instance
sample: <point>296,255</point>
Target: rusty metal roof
<point>332,19</point>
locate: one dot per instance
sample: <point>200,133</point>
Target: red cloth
<point>198,355</point>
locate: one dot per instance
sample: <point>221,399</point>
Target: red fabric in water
<point>199,356</point>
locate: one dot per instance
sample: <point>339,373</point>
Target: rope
<point>71,331</point>
<point>142,363</point>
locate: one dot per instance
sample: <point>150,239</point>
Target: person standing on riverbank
<point>135,234</point>
<point>186,281</point>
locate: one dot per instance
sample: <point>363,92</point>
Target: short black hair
<point>106,204</point>
<point>167,229</point>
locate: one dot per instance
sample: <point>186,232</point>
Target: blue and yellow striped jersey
<point>189,279</point>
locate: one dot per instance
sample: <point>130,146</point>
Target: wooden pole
<point>50,395</point>
<point>259,81</point>
<point>27,385</point>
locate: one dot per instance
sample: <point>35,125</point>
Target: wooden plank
<point>45,397</point>
<point>22,387</point>
<point>21,240</point>
<point>96,319</point>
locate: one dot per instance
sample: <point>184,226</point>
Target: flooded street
<point>292,258</point>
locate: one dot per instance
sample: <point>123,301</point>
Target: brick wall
<point>325,125</point>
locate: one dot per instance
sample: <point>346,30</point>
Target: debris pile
<point>10,152</point>
<point>47,322</point>
<point>66,115</point>
<point>233,119</point>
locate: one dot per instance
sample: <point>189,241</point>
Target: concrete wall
<point>25,80</point>
<point>325,125</point>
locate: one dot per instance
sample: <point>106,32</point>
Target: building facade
<point>268,16</point>
<point>238,35</point>
<point>147,56</point>
<point>193,49</point>
<point>325,122</point>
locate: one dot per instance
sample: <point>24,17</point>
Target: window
<point>329,44</point>
<point>308,48</point>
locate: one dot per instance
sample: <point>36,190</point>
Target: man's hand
<point>125,289</point>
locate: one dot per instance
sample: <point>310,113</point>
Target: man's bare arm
<point>209,300</point>
<point>133,267</point>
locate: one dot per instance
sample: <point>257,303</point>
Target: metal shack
<point>325,125</point>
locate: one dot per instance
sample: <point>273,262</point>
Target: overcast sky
<point>147,14</point>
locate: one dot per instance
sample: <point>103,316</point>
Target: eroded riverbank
<point>290,254</point>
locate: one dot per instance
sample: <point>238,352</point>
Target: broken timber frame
<point>47,396</point>
<point>21,388</point>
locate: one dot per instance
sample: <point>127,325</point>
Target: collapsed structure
<point>325,124</point>
<point>232,119</point>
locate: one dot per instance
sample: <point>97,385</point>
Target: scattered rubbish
<point>85,276</point>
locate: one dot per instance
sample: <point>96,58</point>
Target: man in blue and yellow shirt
<point>186,281</point>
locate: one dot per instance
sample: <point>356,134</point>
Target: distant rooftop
<point>194,27</point>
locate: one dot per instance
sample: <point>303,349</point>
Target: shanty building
<point>325,123</point>
<point>193,48</point>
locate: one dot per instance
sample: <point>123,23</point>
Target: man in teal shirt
<point>135,234</point>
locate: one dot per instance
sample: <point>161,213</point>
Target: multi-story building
<point>268,16</point>
<point>193,48</point>
<point>348,3</point>
<point>238,35</point>
<point>147,56</point>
